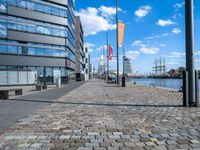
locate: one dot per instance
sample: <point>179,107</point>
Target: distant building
<point>101,67</point>
<point>87,65</point>
<point>37,41</point>
<point>127,66</point>
<point>80,67</point>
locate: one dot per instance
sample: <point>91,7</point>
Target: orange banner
<point>121,28</point>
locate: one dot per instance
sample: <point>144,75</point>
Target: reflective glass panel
<point>3,48</point>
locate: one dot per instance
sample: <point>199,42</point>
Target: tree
<point>180,71</point>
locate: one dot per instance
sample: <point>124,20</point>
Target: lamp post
<point>190,50</point>
<point>117,46</point>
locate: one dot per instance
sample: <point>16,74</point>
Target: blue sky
<point>154,28</point>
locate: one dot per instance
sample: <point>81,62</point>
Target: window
<point>24,50</point>
<point>62,12</point>
<point>12,49</point>
<point>47,30</point>
<point>3,30</point>
<point>12,26</point>
<point>55,32</point>
<point>39,7</point>
<point>12,2</point>
<point>48,52</point>
<point>3,48</point>
<point>55,11</point>
<point>40,29</point>
<point>21,3</point>
<point>21,27</point>
<point>30,5</point>
<point>31,28</point>
<point>49,72</point>
<point>56,53</point>
<point>31,51</point>
<point>3,6</point>
<point>19,50</point>
<point>47,9</point>
<point>62,33</point>
<point>62,54</point>
<point>40,51</point>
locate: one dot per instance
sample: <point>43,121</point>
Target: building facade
<point>87,65</point>
<point>127,66</point>
<point>80,66</point>
<point>37,41</point>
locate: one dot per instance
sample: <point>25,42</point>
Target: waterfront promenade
<point>100,116</point>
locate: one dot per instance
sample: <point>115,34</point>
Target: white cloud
<point>90,46</point>
<point>136,43</point>
<point>163,23</point>
<point>175,55</point>
<point>95,21</point>
<point>163,45</point>
<point>108,11</point>
<point>146,49</point>
<point>177,6</point>
<point>143,11</point>
<point>176,30</point>
<point>101,48</point>
<point>132,54</point>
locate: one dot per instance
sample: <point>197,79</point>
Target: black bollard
<point>197,87</point>
<point>185,89</point>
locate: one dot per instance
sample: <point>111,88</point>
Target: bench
<point>40,87</point>
<point>4,94</point>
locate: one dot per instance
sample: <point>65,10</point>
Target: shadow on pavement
<point>96,104</point>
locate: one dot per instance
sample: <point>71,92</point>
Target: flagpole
<point>107,55</point>
<point>117,34</point>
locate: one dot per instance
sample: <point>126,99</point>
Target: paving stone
<point>36,145</point>
<point>84,148</point>
<point>71,126</point>
<point>64,137</point>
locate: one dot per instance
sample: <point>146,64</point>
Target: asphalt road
<point>15,109</point>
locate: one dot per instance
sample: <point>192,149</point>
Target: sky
<point>154,29</point>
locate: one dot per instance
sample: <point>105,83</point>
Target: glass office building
<point>37,41</point>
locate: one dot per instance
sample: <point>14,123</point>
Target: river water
<point>166,83</point>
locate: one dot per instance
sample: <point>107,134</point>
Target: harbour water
<point>165,83</point>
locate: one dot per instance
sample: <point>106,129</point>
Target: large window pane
<point>21,27</point>
<point>19,50</point>
<point>62,12</point>
<point>47,31</point>
<point>47,9</point>
<point>31,28</point>
<point>3,29</point>
<point>56,53</point>
<point>56,32</point>
<point>49,75</point>
<point>62,33</point>
<point>12,2</point>
<point>31,51</point>
<point>21,3</point>
<point>12,49</point>
<point>40,51</point>
<point>3,6</point>
<point>39,7</point>
<point>48,52</point>
<point>12,26</point>
<point>40,29</point>
<point>3,48</point>
<point>62,54</point>
<point>55,11</point>
<point>24,50</point>
<point>31,5</point>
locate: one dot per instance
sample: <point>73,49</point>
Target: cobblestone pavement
<point>96,116</point>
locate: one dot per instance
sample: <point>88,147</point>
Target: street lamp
<point>190,50</point>
<point>117,34</point>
